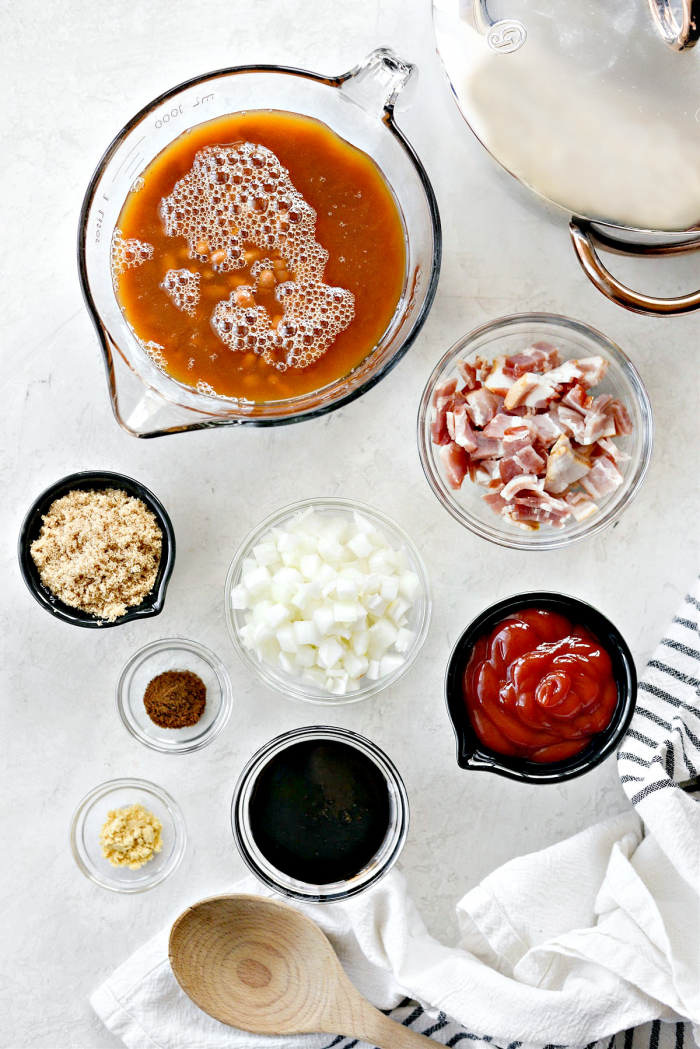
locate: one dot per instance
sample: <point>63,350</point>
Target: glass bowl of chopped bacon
<point>535,431</point>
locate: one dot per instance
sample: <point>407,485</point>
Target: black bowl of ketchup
<point>540,687</point>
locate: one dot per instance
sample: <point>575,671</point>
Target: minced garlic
<point>130,837</point>
<point>99,551</point>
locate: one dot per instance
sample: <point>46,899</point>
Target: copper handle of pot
<point>649,305</point>
<point>677,36</point>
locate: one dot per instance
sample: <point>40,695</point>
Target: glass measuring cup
<point>358,106</point>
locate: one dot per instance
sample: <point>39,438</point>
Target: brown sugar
<point>99,551</point>
<point>175,699</point>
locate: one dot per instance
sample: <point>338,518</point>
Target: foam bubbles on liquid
<point>183,288</point>
<point>241,194</point>
<point>127,253</point>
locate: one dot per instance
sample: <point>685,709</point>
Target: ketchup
<point>539,687</point>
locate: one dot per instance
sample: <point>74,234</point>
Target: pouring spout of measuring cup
<point>143,411</point>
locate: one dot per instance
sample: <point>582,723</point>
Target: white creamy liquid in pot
<point>594,113</point>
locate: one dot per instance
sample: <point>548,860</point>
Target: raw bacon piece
<point>599,420</point>
<point>541,502</point>
<point>455,462</point>
<point>526,483</point>
<point>530,461</point>
<point>482,406</point>
<point>467,373</point>
<point>581,506</point>
<point>577,398</point>
<point>444,389</point>
<point>526,461</point>
<point>439,433</point>
<point>622,418</point>
<point>495,501</point>
<point>534,391</point>
<point>516,439</point>
<point>608,447</point>
<point>567,372</point>
<point>547,427</point>
<point>486,447</point>
<point>510,515</point>
<point>488,470</point>
<point>464,435</point>
<point>594,369</point>
<point>564,467</point>
<point>528,502</point>
<point>499,425</point>
<point>497,381</point>
<point>550,349</point>
<point>536,515</point>
<point>603,478</point>
<point>540,357</point>
<point>510,468</point>
<point>587,370</point>
<point>573,422</point>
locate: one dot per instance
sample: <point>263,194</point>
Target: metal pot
<point>585,105</point>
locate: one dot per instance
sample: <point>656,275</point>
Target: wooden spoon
<point>262,966</point>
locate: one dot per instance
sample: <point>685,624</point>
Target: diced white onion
<point>306,632</point>
<point>305,656</point>
<point>373,670</point>
<point>285,637</point>
<point>257,581</point>
<point>329,598</point>
<point>240,597</point>
<point>360,545</point>
<point>403,640</point>
<point>409,585</point>
<point>346,611</point>
<point>266,553</point>
<point>329,652</point>
<point>389,663</point>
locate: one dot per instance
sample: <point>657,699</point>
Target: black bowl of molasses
<point>474,754</point>
<point>95,481</point>
<point>320,814</point>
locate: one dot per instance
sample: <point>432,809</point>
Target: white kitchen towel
<point>592,942</point>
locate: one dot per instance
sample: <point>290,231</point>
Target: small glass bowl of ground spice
<point>174,696</point>
<point>111,825</point>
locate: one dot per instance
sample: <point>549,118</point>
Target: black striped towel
<point>661,750</point>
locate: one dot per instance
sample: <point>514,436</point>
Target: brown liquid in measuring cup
<point>259,256</point>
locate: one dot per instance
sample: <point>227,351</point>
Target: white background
<point>72,75</point>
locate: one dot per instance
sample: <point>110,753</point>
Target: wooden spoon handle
<point>377,1029</point>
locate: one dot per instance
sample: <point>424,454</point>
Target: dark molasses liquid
<point>320,811</point>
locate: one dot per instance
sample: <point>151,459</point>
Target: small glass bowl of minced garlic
<point>128,835</point>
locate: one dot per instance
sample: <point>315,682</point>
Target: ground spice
<point>175,699</point>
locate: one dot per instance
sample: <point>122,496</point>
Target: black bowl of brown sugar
<point>97,549</point>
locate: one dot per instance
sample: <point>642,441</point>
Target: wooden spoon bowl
<point>261,966</point>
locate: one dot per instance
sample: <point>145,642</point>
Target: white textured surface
<point>71,75</point>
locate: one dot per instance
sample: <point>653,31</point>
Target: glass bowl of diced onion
<point>328,601</point>
<point>574,341</point>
